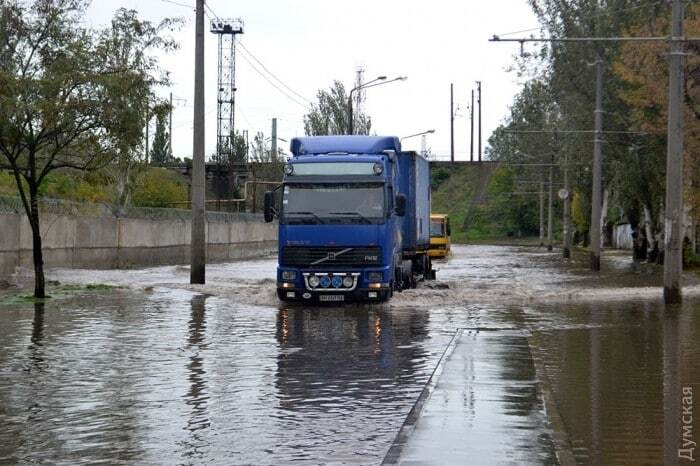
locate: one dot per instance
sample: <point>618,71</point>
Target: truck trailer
<point>354,219</point>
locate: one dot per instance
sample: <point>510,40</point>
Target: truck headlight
<point>289,275</point>
<point>337,281</point>
<point>348,281</point>
<point>378,168</point>
<point>314,281</point>
<point>325,281</point>
<point>374,276</point>
<point>288,169</point>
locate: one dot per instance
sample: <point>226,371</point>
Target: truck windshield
<point>341,203</point>
<point>437,228</point>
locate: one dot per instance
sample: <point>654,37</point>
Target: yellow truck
<point>439,236</point>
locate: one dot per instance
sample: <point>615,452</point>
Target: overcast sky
<point>309,43</point>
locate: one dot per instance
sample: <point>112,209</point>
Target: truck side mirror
<point>400,205</point>
<point>269,212</point>
<point>449,230</point>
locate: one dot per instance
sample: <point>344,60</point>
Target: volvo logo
<point>331,256</point>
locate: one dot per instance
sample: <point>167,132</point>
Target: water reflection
<point>36,349</point>
<point>197,397</point>
<point>351,352</point>
<point>618,381</point>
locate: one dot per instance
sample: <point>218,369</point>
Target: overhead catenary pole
<point>170,129</point>
<point>452,124</point>
<point>198,244</point>
<point>597,194</point>
<point>478,84</point>
<point>566,253</point>
<point>673,237</point>
<point>541,213</point>
<point>273,144</point>
<point>146,157</point>
<point>550,236</point>
<point>471,122</point>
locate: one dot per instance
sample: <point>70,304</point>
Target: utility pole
<point>541,213</point>
<point>478,84</point>
<point>147,122</point>
<point>198,243</point>
<point>170,128</point>
<point>471,138</point>
<point>452,125</point>
<point>673,238</point>
<point>273,143</point>
<point>596,198</point>
<point>550,238</point>
<point>567,209</point>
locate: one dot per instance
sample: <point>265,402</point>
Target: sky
<point>307,44</point>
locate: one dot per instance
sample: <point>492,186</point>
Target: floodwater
<point>162,372</point>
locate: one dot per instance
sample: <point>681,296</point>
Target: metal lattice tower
<point>226,29</point>
<point>359,95</point>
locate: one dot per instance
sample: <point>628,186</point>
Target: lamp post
<point>375,82</point>
<point>430,131</point>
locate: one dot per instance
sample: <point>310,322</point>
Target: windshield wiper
<point>357,214</point>
<point>313,215</point>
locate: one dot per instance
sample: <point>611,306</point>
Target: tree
<point>331,115</point>
<point>160,152</point>
<point>643,68</point>
<point>126,47</point>
<point>64,97</point>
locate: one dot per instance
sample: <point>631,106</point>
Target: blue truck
<point>354,219</point>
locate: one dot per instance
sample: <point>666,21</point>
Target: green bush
<point>159,187</point>
<point>438,176</point>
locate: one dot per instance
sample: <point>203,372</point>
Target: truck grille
<point>330,257</point>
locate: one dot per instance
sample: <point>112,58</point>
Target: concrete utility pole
<point>567,210</point>
<point>452,124</point>
<point>198,243</point>
<point>550,238</point>
<point>147,121</point>
<point>597,195</point>
<point>471,138</point>
<point>673,231</point>
<point>541,213</point>
<point>273,144</point>
<point>478,86</point>
<point>170,127</point>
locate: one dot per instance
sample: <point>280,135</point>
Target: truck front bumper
<point>285,292</point>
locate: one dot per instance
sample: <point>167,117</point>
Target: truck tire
<point>407,277</point>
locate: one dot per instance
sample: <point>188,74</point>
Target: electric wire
<point>599,14</point>
<point>172,2</point>
<point>296,101</point>
<point>262,65</point>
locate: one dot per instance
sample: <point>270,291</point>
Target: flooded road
<point>161,372</point>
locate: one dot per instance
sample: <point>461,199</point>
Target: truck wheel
<point>408,281</point>
<point>430,273</point>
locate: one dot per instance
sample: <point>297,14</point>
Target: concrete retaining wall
<point>95,236</point>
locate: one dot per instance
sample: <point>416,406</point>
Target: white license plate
<point>331,297</point>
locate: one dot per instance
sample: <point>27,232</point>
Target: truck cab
<point>345,220</point>
<point>440,232</point>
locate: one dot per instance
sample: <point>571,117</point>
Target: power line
<point>191,7</point>
<point>272,74</point>
<point>243,47</point>
<point>596,15</point>
<point>273,84</point>
<point>206,5</point>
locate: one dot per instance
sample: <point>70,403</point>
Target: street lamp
<point>375,82</point>
<point>430,131</point>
